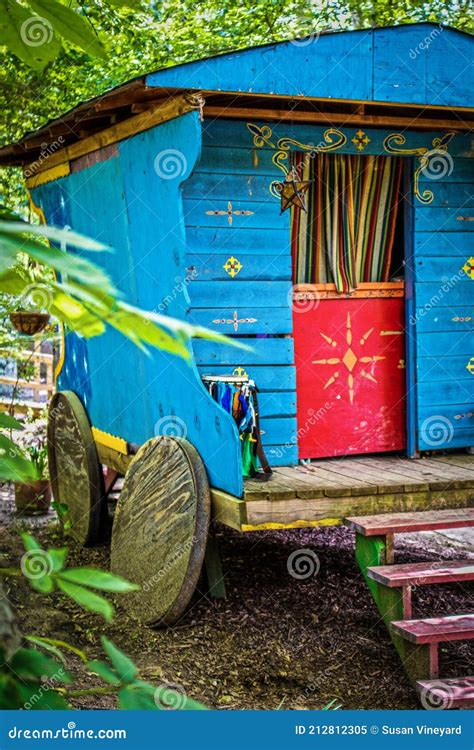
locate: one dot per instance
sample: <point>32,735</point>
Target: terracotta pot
<point>34,497</point>
<point>29,323</point>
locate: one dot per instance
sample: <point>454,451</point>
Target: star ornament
<point>292,192</point>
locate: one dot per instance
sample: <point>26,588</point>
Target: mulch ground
<point>275,642</point>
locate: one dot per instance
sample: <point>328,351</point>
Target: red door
<point>350,376</point>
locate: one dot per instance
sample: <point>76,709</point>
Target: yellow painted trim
<point>62,170</point>
<point>110,441</point>
<point>62,345</point>
<point>293,525</point>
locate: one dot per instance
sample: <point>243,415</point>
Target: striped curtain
<point>346,236</point>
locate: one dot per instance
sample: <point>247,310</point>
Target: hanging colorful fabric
<point>346,235</point>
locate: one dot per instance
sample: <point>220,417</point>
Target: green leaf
<point>104,671</point>
<point>9,422</point>
<point>58,558</point>
<point>44,584</point>
<point>40,698</point>
<point>62,644</point>
<point>70,25</point>
<point>29,542</point>
<point>30,38</point>
<point>47,647</point>
<point>14,467</point>
<point>30,664</point>
<point>134,699</point>
<point>122,664</point>
<point>62,236</point>
<point>87,599</point>
<point>9,695</point>
<point>98,579</point>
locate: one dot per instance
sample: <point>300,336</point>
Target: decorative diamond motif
<point>349,360</point>
<point>468,267</point>
<point>232,266</point>
<point>470,366</point>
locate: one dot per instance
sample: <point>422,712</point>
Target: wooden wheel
<point>76,474</point>
<point>160,528</point>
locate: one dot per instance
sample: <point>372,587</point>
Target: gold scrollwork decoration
<point>428,157</point>
<point>332,140</point>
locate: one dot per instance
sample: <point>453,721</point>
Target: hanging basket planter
<point>29,323</point>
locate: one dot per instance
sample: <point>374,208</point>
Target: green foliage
<point>45,571</point>
<point>38,678</point>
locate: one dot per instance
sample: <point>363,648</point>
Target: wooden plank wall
<point>414,63</point>
<point>444,297</point>
<point>254,305</point>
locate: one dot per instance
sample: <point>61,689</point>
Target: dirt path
<point>275,641</point>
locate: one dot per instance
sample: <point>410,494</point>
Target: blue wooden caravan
<point>314,200</point>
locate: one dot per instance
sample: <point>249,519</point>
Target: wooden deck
<point>328,490</point>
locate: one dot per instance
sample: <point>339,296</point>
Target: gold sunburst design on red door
<point>349,359</point>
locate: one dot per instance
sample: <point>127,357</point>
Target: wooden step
<point>447,693</point>
<point>436,629</point>
<point>399,523</point>
<point>425,573</point>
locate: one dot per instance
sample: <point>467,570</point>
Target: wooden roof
<point>416,75</point>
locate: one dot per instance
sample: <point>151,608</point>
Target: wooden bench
<point>442,694</point>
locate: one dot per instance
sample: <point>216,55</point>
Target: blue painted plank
<point>444,220</point>
<point>435,369</point>
<point>278,430</point>
<point>221,186</point>
<point>450,68</point>
<point>277,404</point>
<point>451,292</point>
<point>243,320</point>
<point>241,161</point>
<point>268,378</point>
<point>443,269</point>
<point>452,344</point>
<point>212,267</point>
<point>447,194</point>
<point>443,243</point>
<point>215,213</point>
<point>232,293</point>
<point>448,392</point>
<point>219,239</point>
<point>335,65</point>
<point>272,351</point>
<point>400,66</point>
<point>282,455</point>
<point>442,437</point>
<point>436,319</point>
